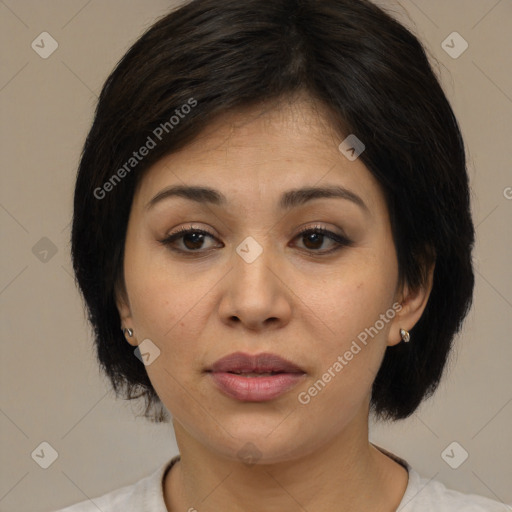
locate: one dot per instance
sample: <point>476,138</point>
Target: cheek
<point>164,297</point>
<point>172,311</point>
<point>348,358</point>
<point>352,299</point>
<point>352,305</point>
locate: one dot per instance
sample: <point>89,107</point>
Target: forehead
<point>260,152</point>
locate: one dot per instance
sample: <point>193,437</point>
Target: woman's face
<point>253,284</point>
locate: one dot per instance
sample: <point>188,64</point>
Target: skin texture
<point>291,301</point>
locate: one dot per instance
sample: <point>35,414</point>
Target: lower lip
<point>255,389</point>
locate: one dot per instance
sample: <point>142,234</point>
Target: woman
<point>273,238</point>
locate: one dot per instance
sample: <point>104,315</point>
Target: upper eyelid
<point>192,228</point>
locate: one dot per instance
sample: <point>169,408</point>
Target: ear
<point>124,309</point>
<point>413,303</point>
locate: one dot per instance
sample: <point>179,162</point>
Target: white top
<point>421,495</point>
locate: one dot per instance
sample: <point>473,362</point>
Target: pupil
<point>313,237</point>
<point>196,240</point>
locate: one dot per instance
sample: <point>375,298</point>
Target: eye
<point>190,240</point>
<point>314,238</point>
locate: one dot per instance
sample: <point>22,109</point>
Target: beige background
<point>51,389</point>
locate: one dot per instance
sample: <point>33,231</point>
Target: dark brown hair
<point>373,77</point>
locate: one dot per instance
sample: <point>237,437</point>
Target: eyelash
<point>340,240</point>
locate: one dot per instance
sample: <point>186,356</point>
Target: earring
<point>129,331</point>
<point>405,335</point>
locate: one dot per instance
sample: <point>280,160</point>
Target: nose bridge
<point>255,293</point>
<point>251,266</point>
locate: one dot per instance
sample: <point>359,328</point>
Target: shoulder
<point>120,499</point>
<point>146,494</point>
<point>424,495</point>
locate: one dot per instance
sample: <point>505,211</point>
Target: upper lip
<point>258,363</point>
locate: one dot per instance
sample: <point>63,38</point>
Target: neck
<point>347,473</point>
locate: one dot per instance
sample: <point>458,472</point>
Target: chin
<point>255,445</point>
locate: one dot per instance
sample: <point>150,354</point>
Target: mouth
<point>254,365</point>
<point>255,378</point>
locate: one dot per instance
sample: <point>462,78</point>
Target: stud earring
<point>405,335</point>
<point>129,331</point>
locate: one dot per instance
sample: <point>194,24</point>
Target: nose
<point>255,295</point>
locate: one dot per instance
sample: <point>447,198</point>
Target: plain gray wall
<point>51,389</point>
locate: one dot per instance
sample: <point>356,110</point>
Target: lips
<point>259,363</point>
<point>255,378</point>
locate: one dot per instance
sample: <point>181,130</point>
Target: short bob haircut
<point>372,77</point>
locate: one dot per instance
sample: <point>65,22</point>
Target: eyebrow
<point>289,199</point>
